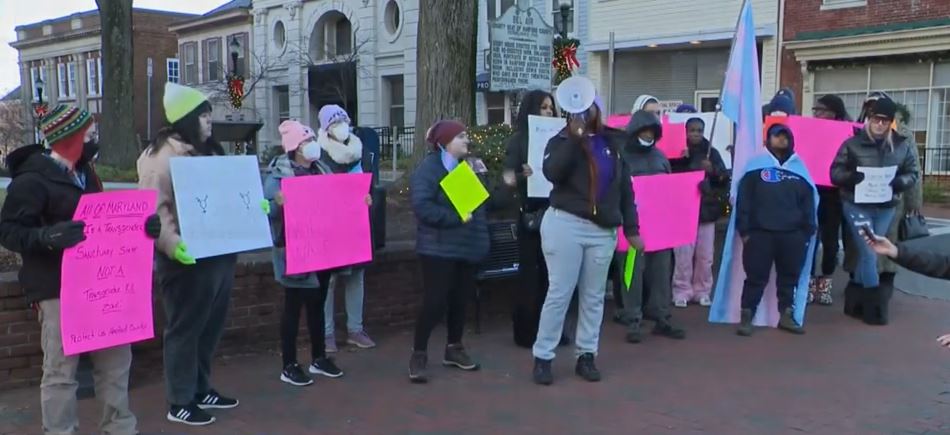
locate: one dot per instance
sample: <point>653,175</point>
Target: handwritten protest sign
<point>106,292</point>
<point>316,240</point>
<point>721,139</point>
<point>876,186</point>
<point>668,210</point>
<point>816,142</point>
<point>219,204</point>
<point>540,130</point>
<point>464,189</point>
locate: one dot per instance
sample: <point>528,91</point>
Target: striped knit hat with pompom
<point>62,122</point>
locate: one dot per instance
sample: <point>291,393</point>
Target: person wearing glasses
<point>909,204</point>
<point>830,217</point>
<point>877,145</point>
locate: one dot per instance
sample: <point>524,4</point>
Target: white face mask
<point>645,143</point>
<point>311,151</point>
<point>340,131</point>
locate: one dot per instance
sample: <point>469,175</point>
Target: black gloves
<point>899,184</point>
<point>153,226</point>
<point>63,235</point>
<point>857,178</point>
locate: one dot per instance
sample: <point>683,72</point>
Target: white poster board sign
<point>540,130</point>
<point>723,137</point>
<point>876,186</point>
<point>521,51</point>
<point>219,204</point>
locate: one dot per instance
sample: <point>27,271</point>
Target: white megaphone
<point>576,94</point>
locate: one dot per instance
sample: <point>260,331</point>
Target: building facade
<point>360,54</point>
<point>675,50</point>
<point>63,56</point>
<point>213,46</point>
<point>853,47</point>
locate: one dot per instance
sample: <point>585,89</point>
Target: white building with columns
<point>360,54</point>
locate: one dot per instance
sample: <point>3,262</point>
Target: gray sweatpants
<point>652,270</point>
<point>578,254</point>
<point>196,300</point>
<point>58,387</point>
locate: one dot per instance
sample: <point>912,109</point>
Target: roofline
<point>96,12</point>
<point>200,21</point>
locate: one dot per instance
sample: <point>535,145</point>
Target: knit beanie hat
<point>293,133</point>
<point>64,121</point>
<point>884,107</point>
<point>443,132</point>
<point>180,100</point>
<point>686,108</point>
<point>782,103</point>
<point>332,113</point>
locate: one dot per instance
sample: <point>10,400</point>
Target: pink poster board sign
<point>668,210</point>
<point>106,292</point>
<point>673,142</point>
<point>816,141</point>
<point>618,121</point>
<point>326,221</point>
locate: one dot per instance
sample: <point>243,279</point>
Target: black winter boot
<point>745,323</point>
<point>876,311</point>
<point>854,299</point>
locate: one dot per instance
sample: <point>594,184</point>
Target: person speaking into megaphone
<point>590,199</point>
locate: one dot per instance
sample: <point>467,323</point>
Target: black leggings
<point>830,224</point>
<point>312,299</point>
<point>447,284</point>
<point>533,277</point>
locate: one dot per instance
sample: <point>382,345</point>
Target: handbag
<point>531,220</point>
<point>913,226</point>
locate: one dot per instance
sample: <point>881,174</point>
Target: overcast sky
<point>19,12</point>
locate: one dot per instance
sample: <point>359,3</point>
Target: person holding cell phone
<point>877,145</point>
<point>592,196</point>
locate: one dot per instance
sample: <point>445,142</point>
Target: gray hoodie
<point>644,160</point>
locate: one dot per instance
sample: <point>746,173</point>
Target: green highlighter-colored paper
<point>628,267</point>
<point>464,189</point>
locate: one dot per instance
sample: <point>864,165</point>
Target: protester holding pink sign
<point>653,268</point>
<point>693,278</point>
<point>305,285</point>
<point>40,221</point>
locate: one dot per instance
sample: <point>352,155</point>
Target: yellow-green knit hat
<point>180,100</point>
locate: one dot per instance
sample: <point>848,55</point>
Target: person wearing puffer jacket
<point>875,146</point>
<point>342,152</point>
<point>301,291</point>
<point>652,270</point>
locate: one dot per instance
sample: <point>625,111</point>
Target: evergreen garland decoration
<point>565,58</point>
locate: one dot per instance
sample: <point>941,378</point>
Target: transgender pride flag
<point>741,102</point>
<point>742,94</point>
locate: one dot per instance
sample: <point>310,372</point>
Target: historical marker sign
<point>521,51</point>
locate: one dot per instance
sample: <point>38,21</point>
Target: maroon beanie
<point>443,132</point>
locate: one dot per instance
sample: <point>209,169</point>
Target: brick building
<point>65,53</point>
<point>852,47</point>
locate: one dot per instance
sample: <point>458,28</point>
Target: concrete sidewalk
<point>843,377</point>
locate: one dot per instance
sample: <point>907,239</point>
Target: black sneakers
<point>417,367</point>
<point>633,333</point>
<point>191,415</point>
<point>325,367</point>
<point>213,400</point>
<point>294,375</point>
<point>542,372</point>
<point>669,330</point>
<point>456,356</point>
<point>586,368</point>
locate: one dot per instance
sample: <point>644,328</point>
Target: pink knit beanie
<point>293,133</point>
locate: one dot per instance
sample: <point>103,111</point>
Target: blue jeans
<point>879,219</point>
<point>353,289</point>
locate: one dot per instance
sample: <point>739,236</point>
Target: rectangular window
<point>497,8</point>
<point>841,4</point>
<point>397,101</point>
<point>559,18</point>
<point>213,71</point>
<point>496,107</point>
<point>282,94</point>
<point>92,77</point>
<point>39,72</point>
<point>343,37</point>
<point>191,63</point>
<point>71,71</point>
<point>172,70</point>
